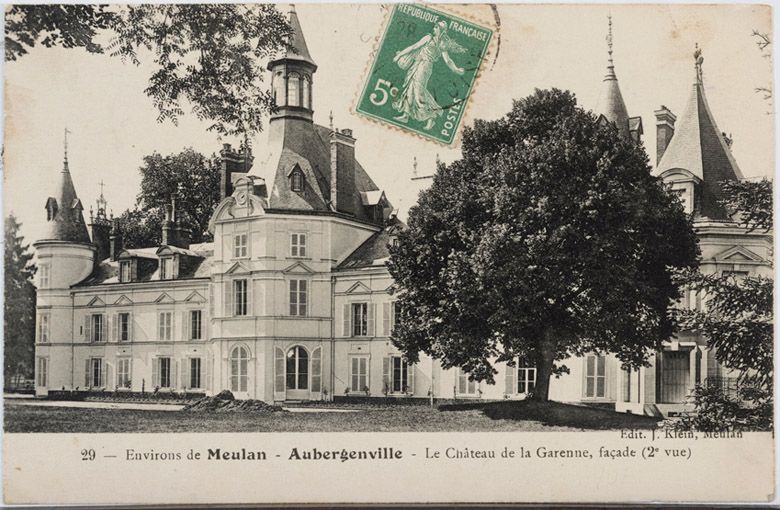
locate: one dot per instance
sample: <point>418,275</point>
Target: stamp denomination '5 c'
<point>424,71</point>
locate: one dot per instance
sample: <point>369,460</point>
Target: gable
<point>237,268</point>
<point>195,297</point>
<point>359,288</point>
<point>164,298</point>
<point>738,254</point>
<point>96,301</point>
<point>299,267</point>
<point>123,300</point>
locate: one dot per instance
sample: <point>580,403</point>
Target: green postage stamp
<point>424,71</point>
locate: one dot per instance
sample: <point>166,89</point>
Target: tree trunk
<point>544,365</point>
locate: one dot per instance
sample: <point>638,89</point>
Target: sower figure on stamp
<point>417,60</point>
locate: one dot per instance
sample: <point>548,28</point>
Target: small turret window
<point>277,85</point>
<point>293,89</point>
<point>296,180</point>
<point>306,81</point>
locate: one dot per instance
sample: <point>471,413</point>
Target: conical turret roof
<point>611,104</point>
<point>298,50</point>
<point>698,146</point>
<point>65,221</point>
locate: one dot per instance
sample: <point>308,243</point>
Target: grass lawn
<point>467,417</point>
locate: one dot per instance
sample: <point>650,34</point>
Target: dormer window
<point>125,271</point>
<point>296,180</point>
<point>166,268</point>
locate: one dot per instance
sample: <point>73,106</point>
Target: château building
<point>291,300</point>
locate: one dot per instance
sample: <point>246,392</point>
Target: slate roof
<point>298,49</point>
<point>292,142</point>
<point>374,251</point>
<point>698,146</point>
<point>68,221</point>
<point>199,257</point>
<point>611,103</point>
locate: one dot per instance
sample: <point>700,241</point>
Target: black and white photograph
<point>211,251</point>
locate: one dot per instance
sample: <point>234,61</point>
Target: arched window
<point>296,178</point>
<point>293,89</point>
<point>277,85</point>
<point>297,369</point>
<point>306,81</point>
<point>239,361</point>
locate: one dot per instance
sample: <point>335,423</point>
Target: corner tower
<point>611,107</point>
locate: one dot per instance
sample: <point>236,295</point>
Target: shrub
<point>748,408</point>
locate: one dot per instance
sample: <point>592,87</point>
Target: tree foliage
<point>751,201</point>
<point>19,304</point>
<point>206,55</point>
<point>190,178</point>
<point>549,238</point>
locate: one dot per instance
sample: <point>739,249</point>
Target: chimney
<point>342,171</point>
<point>99,230</point>
<point>664,130</point>
<point>167,226</point>
<point>233,163</point>
<point>115,241</point>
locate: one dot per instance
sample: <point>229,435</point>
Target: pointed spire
<point>297,50</point>
<point>611,104</point>
<point>65,221</point>
<point>699,147</point>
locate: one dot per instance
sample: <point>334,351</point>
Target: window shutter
<point>385,319</point>
<point>410,378</point>
<point>175,267</point>
<point>211,299</point>
<point>386,374</point>
<point>185,325</point>
<point>249,288</point>
<point>371,314</point>
<point>346,318</point>
<point>88,328</point>
<point>109,382</point>
<point>86,373</point>
<point>133,270</point>
<point>228,298</point>
<point>114,320</point>
<point>511,379</point>
<point>185,373</point>
<point>205,376</point>
<point>104,328</point>
<point>174,372</point>
<point>316,370</point>
<point>279,363</point>
<point>155,372</point>
<point>130,319</point>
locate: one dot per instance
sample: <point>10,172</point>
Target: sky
<point>114,125</point>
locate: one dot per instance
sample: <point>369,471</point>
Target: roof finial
<point>699,60</point>
<point>331,120</point>
<point>414,167</point>
<point>609,39</point>
<point>65,144</point>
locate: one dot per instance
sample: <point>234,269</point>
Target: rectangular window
<point>358,373</point>
<point>400,374</point>
<point>359,319</point>
<point>42,372</point>
<point>240,301</point>
<point>125,274</point>
<point>43,281</point>
<point>595,376</point>
<point>98,327</point>
<point>240,249</point>
<point>298,245</point>
<point>164,372</point>
<point>466,386</point>
<point>124,326</point>
<point>166,268</point>
<point>123,373</point>
<point>195,373</point>
<point>196,326</point>
<point>43,328</point>
<point>96,373</point>
<point>526,379</point>
<point>165,326</point>
<point>299,297</point>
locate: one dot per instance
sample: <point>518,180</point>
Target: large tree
<point>189,178</point>
<point>549,238</point>
<point>19,304</point>
<point>206,55</point>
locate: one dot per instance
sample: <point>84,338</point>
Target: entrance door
<point>675,376</point>
<point>297,374</point>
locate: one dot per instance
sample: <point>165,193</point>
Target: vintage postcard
<point>399,253</point>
